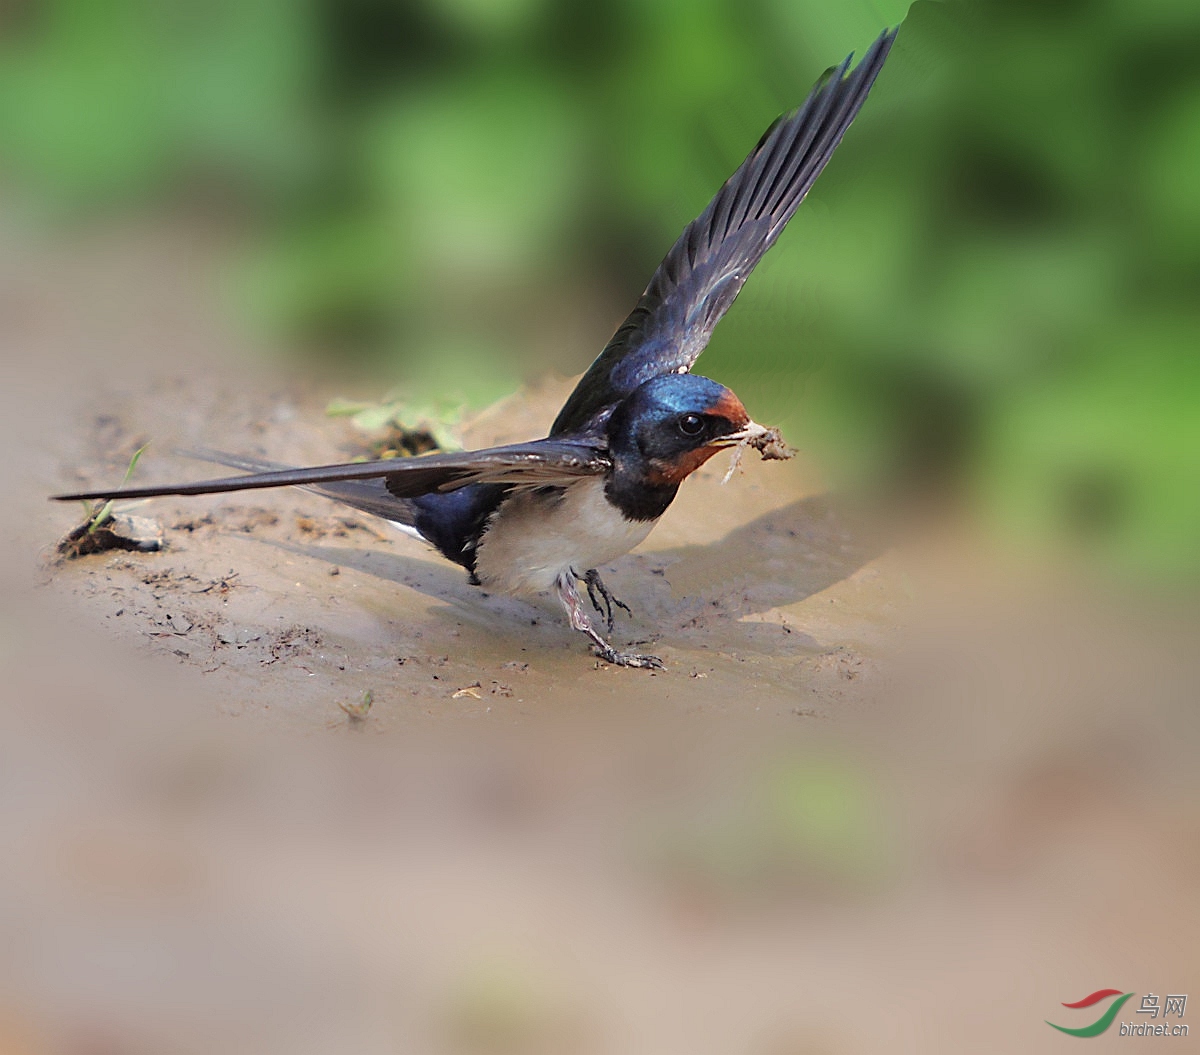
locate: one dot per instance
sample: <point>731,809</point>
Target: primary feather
<point>537,463</point>
<point>707,267</point>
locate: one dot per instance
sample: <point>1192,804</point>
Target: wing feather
<point>538,463</point>
<point>706,268</point>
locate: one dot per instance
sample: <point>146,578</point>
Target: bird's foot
<point>595,585</point>
<point>626,659</point>
<point>572,602</point>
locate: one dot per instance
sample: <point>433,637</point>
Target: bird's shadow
<point>700,596</point>
<point>715,591</point>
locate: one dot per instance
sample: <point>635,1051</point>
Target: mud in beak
<point>750,435</point>
<point>766,440</point>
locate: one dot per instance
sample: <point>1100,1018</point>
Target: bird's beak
<point>751,434</point>
<point>767,441</point>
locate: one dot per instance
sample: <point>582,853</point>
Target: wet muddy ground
<point>887,796</point>
<point>286,602</point>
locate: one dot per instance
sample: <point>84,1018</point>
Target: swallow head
<point>672,425</point>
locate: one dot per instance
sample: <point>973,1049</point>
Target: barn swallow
<point>544,515</point>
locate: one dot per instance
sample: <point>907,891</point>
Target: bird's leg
<point>591,589</point>
<point>572,602</point>
<point>595,585</point>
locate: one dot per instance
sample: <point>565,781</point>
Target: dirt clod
<point>119,532</point>
<point>772,447</point>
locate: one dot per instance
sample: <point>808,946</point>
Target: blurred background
<point>993,286</point>
<point>292,785</point>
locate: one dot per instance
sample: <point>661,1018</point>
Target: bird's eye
<point>691,424</point>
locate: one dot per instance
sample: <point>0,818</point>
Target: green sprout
<point>96,516</point>
<point>357,712</point>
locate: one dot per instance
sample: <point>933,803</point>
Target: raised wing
<point>537,464</point>
<point>704,271</point>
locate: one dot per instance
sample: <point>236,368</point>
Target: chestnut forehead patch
<point>730,407</point>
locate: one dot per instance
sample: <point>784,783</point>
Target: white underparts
<point>408,529</point>
<point>534,537</point>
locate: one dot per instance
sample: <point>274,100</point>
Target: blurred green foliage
<point>805,821</point>
<point>995,283</point>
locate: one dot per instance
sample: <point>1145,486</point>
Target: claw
<point>596,585</point>
<point>572,602</point>
<point>591,589</point>
<point>627,659</point>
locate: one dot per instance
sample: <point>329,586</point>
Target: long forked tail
<point>536,463</point>
<point>371,496</point>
